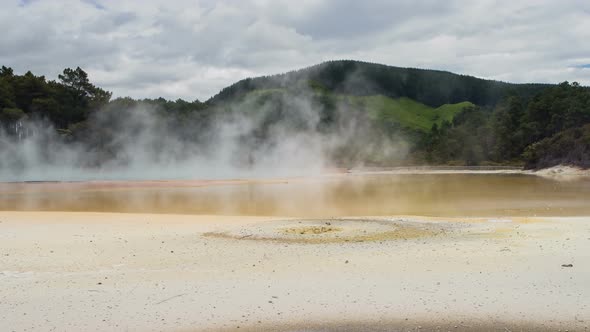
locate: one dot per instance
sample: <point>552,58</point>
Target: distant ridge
<point>430,87</point>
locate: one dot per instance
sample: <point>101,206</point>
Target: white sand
<point>562,172</point>
<point>159,273</point>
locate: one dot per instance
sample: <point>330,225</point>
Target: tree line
<point>548,129</point>
<point>533,125</point>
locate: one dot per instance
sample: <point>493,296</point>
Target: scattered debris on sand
<point>311,230</point>
<point>337,230</point>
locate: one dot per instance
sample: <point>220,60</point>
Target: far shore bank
<point>560,172</point>
<point>563,172</point>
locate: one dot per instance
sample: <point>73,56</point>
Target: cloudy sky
<point>192,48</point>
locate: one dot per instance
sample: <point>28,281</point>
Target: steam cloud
<point>245,139</point>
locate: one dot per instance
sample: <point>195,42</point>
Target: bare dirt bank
<point>158,272</point>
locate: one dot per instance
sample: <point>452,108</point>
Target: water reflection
<point>354,195</point>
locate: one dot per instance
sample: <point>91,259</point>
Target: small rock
<point>346,262</point>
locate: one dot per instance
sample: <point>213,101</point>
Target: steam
<point>247,139</point>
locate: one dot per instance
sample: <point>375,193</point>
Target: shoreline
<point>560,172</point>
<point>159,272</point>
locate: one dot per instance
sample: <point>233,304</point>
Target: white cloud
<point>191,49</point>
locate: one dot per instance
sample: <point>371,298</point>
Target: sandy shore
<point>561,172</point>
<point>145,272</point>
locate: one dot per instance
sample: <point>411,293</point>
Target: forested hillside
<point>430,87</point>
<point>518,130</point>
<point>360,109</point>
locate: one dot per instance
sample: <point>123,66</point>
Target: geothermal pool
<point>439,195</point>
<point>340,252</point>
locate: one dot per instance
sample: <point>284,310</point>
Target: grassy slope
<point>409,113</point>
<point>405,112</point>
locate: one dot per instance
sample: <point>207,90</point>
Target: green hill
<point>403,112</point>
<point>430,87</point>
<point>409,113</point>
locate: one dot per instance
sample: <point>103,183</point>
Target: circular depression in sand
<point>329,230</point>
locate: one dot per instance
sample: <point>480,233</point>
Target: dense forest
<point>347,77</point>
<point>361,108</point>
